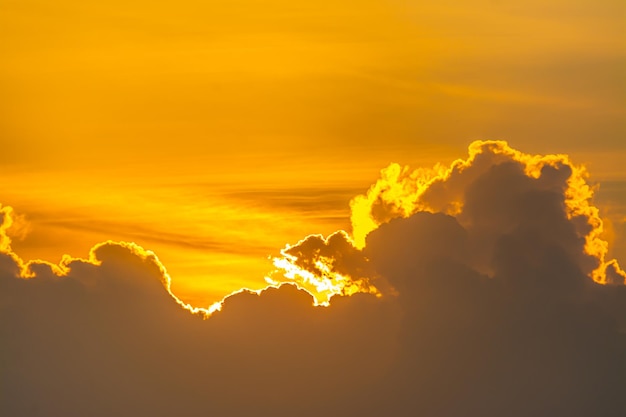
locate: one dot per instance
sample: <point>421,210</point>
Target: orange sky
<point>216,132</point>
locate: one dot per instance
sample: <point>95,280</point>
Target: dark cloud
<point>489,309</point>
<point>537,338</point>
<point>108,339</point>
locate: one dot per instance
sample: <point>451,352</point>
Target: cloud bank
<point>479,289</point>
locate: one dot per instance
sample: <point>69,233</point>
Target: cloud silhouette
<point>537,338</point>
<point>493,297</point>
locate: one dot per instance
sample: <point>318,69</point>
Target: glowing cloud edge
<point>399,187</point>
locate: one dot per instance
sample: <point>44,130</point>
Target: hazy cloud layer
<point>489,308</point>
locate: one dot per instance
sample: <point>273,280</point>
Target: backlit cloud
<point>401,192</point>
<point>477,289</point>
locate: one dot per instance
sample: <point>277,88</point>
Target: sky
<point>429,176</point>
<point>192,128</point>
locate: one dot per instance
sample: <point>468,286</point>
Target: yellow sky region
<point>214,132</point>
<point>214,238</point>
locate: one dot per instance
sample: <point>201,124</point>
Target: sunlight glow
<point>319,275</point>
<point>321,285</point>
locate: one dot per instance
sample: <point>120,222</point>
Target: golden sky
<point>186,183</point>
<point>216,132</point>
